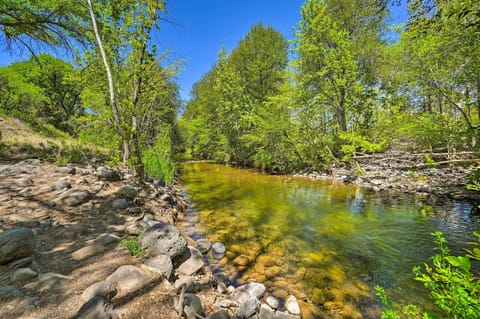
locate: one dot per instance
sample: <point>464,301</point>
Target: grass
<point>132,245</point>
<point>21,141</point>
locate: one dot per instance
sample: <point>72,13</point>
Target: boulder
<point>23,274</point>
<point>60,185</point>
<point>128,278</point>
<point>266,312</point>
<point>24,181</point>
<point>292,305</point>
<point>16,244</point>
<point>12,170</point>
<point>127,191</point>
<point>75,197</point>
<point>193,305</point>
<point>245,292</point>
<point>163,239</point>
<point>203,245</point>
<point>66,170</point>
<point>96,308</point>
<point>106,239</point>
<point>272,302</point>
<point>218,250</point>
<point>120,203</point>
<point>7,292</point>
<point>248,308</point>
<point>88,251</point>
<point>108,174</point>
<point>161,264</point>
<point>101,288</point>
<point>193,262</point>
<point>50,281</point>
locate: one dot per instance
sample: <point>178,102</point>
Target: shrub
<point>157,159</point>
<point>452,285</point>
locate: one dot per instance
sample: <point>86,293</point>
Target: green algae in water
<point>327,243</point>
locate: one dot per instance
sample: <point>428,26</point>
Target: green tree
<point>122,36</point>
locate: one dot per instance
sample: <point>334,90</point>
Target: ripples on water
<point>328,244</point>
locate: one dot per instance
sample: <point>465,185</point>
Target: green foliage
<point>429,161</point>
<point>157,160</point>
<point>132,245</point>
<point>452,285</point>
<point>353,143</point>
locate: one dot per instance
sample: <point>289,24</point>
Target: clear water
<point>326,243</point>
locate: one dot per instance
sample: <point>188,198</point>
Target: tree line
<point>349,82</point>
<point>356,83</point>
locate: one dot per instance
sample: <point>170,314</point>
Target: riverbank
<point>404,173</point>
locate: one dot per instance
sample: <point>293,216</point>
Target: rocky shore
<point>64,233</point>
<point>403,174</point>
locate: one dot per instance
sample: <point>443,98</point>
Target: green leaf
<point>460,261</point>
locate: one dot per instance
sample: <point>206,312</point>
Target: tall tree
<point>122,35</point>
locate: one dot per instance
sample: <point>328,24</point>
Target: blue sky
<point>198,28</point>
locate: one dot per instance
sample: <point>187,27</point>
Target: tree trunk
<point>118,125</point>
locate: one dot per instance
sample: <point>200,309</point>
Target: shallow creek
<point>326,243</point>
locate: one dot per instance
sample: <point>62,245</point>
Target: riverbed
<point>325,242</point>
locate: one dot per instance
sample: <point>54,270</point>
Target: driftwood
<point>448,162</point>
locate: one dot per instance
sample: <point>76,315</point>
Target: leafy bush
<point>452,285</point>
<point>353,143</point>
<point>157,159</point>
<point>132,245</point>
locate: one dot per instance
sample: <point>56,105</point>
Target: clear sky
<point>198,28</point>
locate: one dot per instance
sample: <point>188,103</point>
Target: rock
<point>163,239</point>
<point>30,161</point>
<point>65,170</point>
<point>218,250</point>
<point>272,302</point>
<point>162,264</point>
<point>88,251</point>
<point>292,305</point>
<point>23,274</point>
<point>50,281</point>
<point>11,170</point>
<point>120,203</point>
<point>266,312</point>
<point>96,308</point>
<point>22,262</point>
<point>188,281</point>
<point>60,185</point>
<point>203,245</point>
<point>16,244</point>
<point>128,278</point>
<point>248,308</point>
<point>245,292</point>
<point>282,315</point>
<point>127,191</point>
<point>106,239</point>
<point>23,181</point>
<point>7,292</point>
<point>227,303</point>
<point>193,263</point>
<point>108,174</point>
<point>193,305</point>
<point>134,229</point>
<point>221,314</point>
<point>222,277</point>
<point>241,260</point>
<point>76,197</point>
<point>101,288</point>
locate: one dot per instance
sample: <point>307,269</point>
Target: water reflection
<point>324,242</point>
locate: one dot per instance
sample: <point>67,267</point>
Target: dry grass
<point>18,140</point>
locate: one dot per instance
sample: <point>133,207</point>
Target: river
<point>326,243</point>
